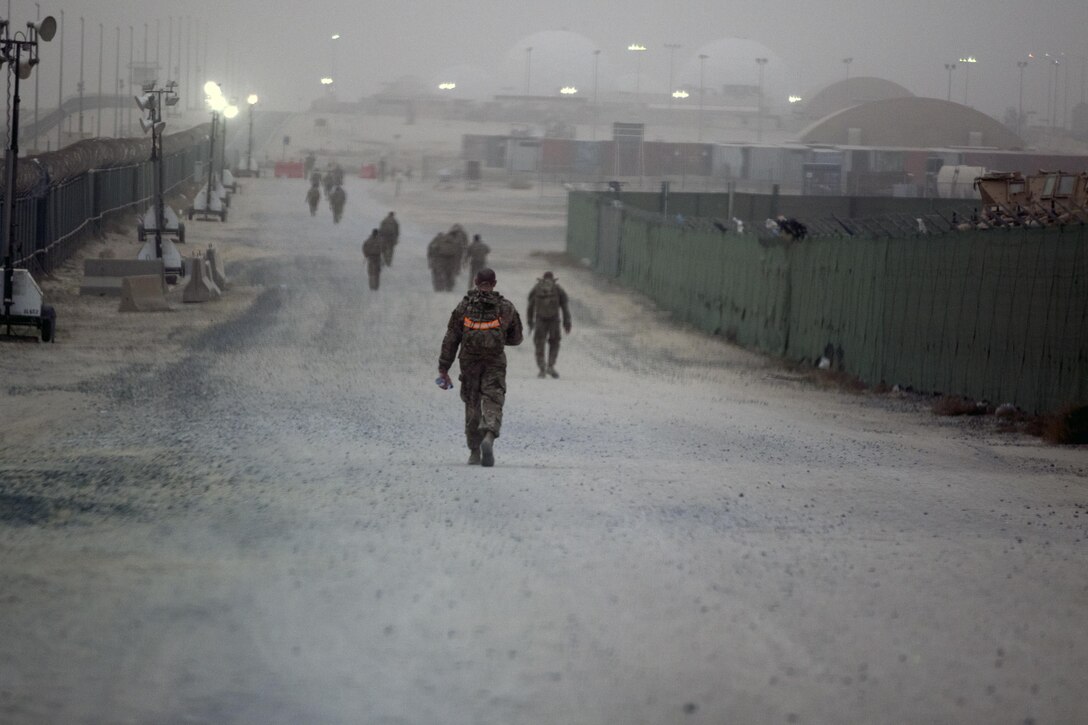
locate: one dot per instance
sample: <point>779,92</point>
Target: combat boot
<point>474,457</point>
<point>541,374</point>
<point>487,455</point>
<point>552,371</point>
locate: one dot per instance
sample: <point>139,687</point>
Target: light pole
<point>101,47</point>
<point>528,68</point>
<point>950,67</point>
<point>1021,64</point>
<point>967,61</point>
<point>761,62</point>
<point>152,102</point>
<point>637,49</point>
<point>120,86</point>
<point>252,101</point>
<point>672,57</point>
<point>596,105</point>
<point>37,18</point>
<point>60,89</point>
<point>846,63</point>
<point>79,86</point>
<point>702,93</point>
<point>333,38</point>
<point>20,54</point>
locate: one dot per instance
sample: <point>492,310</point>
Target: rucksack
<point>483,334</point>
<point>546,297</point>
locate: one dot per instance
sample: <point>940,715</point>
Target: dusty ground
<point>257,511</point>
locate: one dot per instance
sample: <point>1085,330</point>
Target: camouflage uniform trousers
<point>388,246</point>
<point>483,390</point>
<point>546,331</point>
<point>374,271</point>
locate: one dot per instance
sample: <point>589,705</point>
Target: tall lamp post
<point>673,47</point>
<point>19,51</point>
<point>333,38</point>
<point>152,103</point>
<point>1021,64</point>
<point>761,62</point>
<point>252,101</point>
<point>846,63</point>
<point>638,49</point>
<point>702,92</point>
<point>528,68</point>
<point>950,67</point>
<point>596,105</point>
<point>967,61</point>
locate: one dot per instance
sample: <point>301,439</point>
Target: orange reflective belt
<point>471,324</point>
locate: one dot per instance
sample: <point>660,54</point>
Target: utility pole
<point>101,50</point>
<point>60,85</point>
<point>672,58</point>
<point>79,87</point>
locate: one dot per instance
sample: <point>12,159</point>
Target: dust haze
<point>282,51</point>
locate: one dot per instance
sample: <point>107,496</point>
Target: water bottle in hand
<point>441,382</point>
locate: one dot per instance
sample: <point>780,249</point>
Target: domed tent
<point>548,61</point>
<point>852,92</point>
<point>911,123</point>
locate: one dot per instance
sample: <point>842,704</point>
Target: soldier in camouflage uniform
<point>546,301</point>
<point>444,259</point>
<point>372,250</point>
<point>390,234</point>
<point>481,326</point>
<point>476,255</point>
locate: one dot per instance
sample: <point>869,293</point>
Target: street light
<point>673,47</point>
<point>252,101</point>
<point>967,61</point>
<point>596,106</point>
<point>637,49</point>
<point>1021,64</point>
<point>528,68</point>
<point>950,67</point>
<point>20,53</point>
<point>846,62</point>
<point>334,37</point>
<point>702,94</point>
<point>761,62</point>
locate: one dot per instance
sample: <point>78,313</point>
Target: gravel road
<point>257,510</point>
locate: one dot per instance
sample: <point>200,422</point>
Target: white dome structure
<point>730,72</point>
<point>548,61</point>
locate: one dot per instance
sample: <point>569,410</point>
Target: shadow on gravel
<point>32,510</point>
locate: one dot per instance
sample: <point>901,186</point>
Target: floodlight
<point>146,125</point>
<point>47,28</point>
<point>145,102</point>
<point>252,99</point>
<point>148,87</point>
<point>217,103</point>
<point>230,111</point>
<point>171,100</point>
<point>24,69</point>
<point>211,89</point>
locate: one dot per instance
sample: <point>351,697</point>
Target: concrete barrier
<point>201,287</point>
<point>213,263</point>
<point>103,277</point>
<point>144,293</point>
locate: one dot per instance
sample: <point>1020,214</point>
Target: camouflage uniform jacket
<point>509,322</point>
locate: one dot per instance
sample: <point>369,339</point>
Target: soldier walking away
<point>336,200</point>
<point>444,259</point>
<point>481,326</point>
<point>546,301</point>
<point>476,255</point>
<point>372,250</point>
<point>390,234</point>
<point>458,234</point>
<point>309,163</point>
<point>313,196</point>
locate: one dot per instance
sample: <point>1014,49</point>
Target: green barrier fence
<point>997,315</point>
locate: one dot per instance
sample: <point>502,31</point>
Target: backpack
<point>546,296</point>
<point>483,334</point>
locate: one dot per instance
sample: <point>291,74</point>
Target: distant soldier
<point>444,259</point>
<point>476,255</point>
<point>315,179</point>
<point>458,234</point>
<point>309,163</point>
<point>390,234</point>
<point>479,329</point>
<point>337,175</point>
<point>372,250</point>
<point>313,196</point>
<point>327,182</point>
<point>337,199</point>
<point>546,301</point>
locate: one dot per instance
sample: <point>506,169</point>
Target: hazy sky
<point>282,53</point>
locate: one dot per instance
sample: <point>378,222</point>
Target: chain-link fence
<point>61,194</point>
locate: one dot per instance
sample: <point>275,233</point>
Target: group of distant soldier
<point>332,183</point>
<point>450,252</point>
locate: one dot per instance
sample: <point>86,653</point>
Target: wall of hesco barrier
<point>993,315</point>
